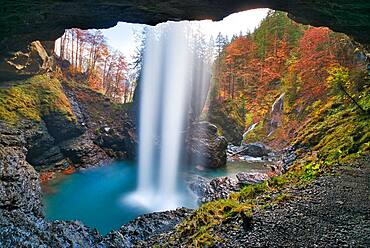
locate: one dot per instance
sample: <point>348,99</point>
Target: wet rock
<point>62,128</point>
<point>288,157</point>
<point>75,105</point>
<point>212,189</point>
<point>82,151</point>
<point>144,227</point>
<point>118,141</point>
<point>251,177</point>
<point>205,147</point>
<point>42,149</point>
<point>19,186</point>
<point>255,150</point>
<point>18,229</point>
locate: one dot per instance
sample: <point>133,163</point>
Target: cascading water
<point>278,104</point>
<point>276,112</point>
<point>250,128</point>
<point>165,97</point>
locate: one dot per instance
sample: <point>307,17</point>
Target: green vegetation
<point>276,24</point>
<point>33,99</point>
<point>309,65</point>
<point>325,113</point>
<point>336,133</point>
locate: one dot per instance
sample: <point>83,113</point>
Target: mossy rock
<point>33,99</point>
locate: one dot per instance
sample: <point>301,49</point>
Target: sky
<point>123,36</point>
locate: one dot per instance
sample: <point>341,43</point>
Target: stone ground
<point>334,211</point>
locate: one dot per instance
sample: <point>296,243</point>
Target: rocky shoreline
<point>22,223</point>
<point>34,152</point>
<point>333,210</point>
<point>21,220</point>
<point>221,187</point>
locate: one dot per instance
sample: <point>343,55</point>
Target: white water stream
<point>165,97</point>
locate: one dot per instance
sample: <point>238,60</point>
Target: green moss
<point>336,133</point>
<point>257,134</point>
<point>251,191</point>
<point>198,226</point>
<point>283,197</point>
<point>33,98</point>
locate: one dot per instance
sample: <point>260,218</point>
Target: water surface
<point>98,196</point>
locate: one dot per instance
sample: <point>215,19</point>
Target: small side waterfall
<point>167,91</point>
<point>276,113</point>
<point>250,128</point>
<point>278,104</point>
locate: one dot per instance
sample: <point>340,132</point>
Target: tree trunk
<point>352,99</point>
<point>72,45</point>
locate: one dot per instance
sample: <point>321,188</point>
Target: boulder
<point>251,177</point>
<point>255,150</point>
<point>144,227</point>
<point>62,128</point>
<point>42,150</point>
<point>205,147</point>
<point>118,141</point>
<point>83,152</point>
<point>212,189</point>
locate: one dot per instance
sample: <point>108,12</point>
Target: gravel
<point>333,211</point>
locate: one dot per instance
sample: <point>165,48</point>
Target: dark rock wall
<point>19,185</point>
<point>95,130</point>
<point>205,148</point>
<point>30,60</point>
<point>22,22</point>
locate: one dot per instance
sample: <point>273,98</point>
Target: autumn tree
<point>91,59</point>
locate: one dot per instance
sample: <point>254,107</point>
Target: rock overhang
<point>22,22</point>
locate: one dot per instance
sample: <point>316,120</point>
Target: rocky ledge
<point>221,187</point>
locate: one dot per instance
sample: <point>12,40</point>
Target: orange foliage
<point>317,55</point>
<point>299,69</point>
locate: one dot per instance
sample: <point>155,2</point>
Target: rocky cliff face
<point>66,124</point>
<point>21,220</point>
<point>31,60</point>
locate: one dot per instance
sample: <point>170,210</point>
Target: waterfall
<point>276,112</point>
<point>278,104</point>
<point>250,128</point>
<point>166,93</point>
